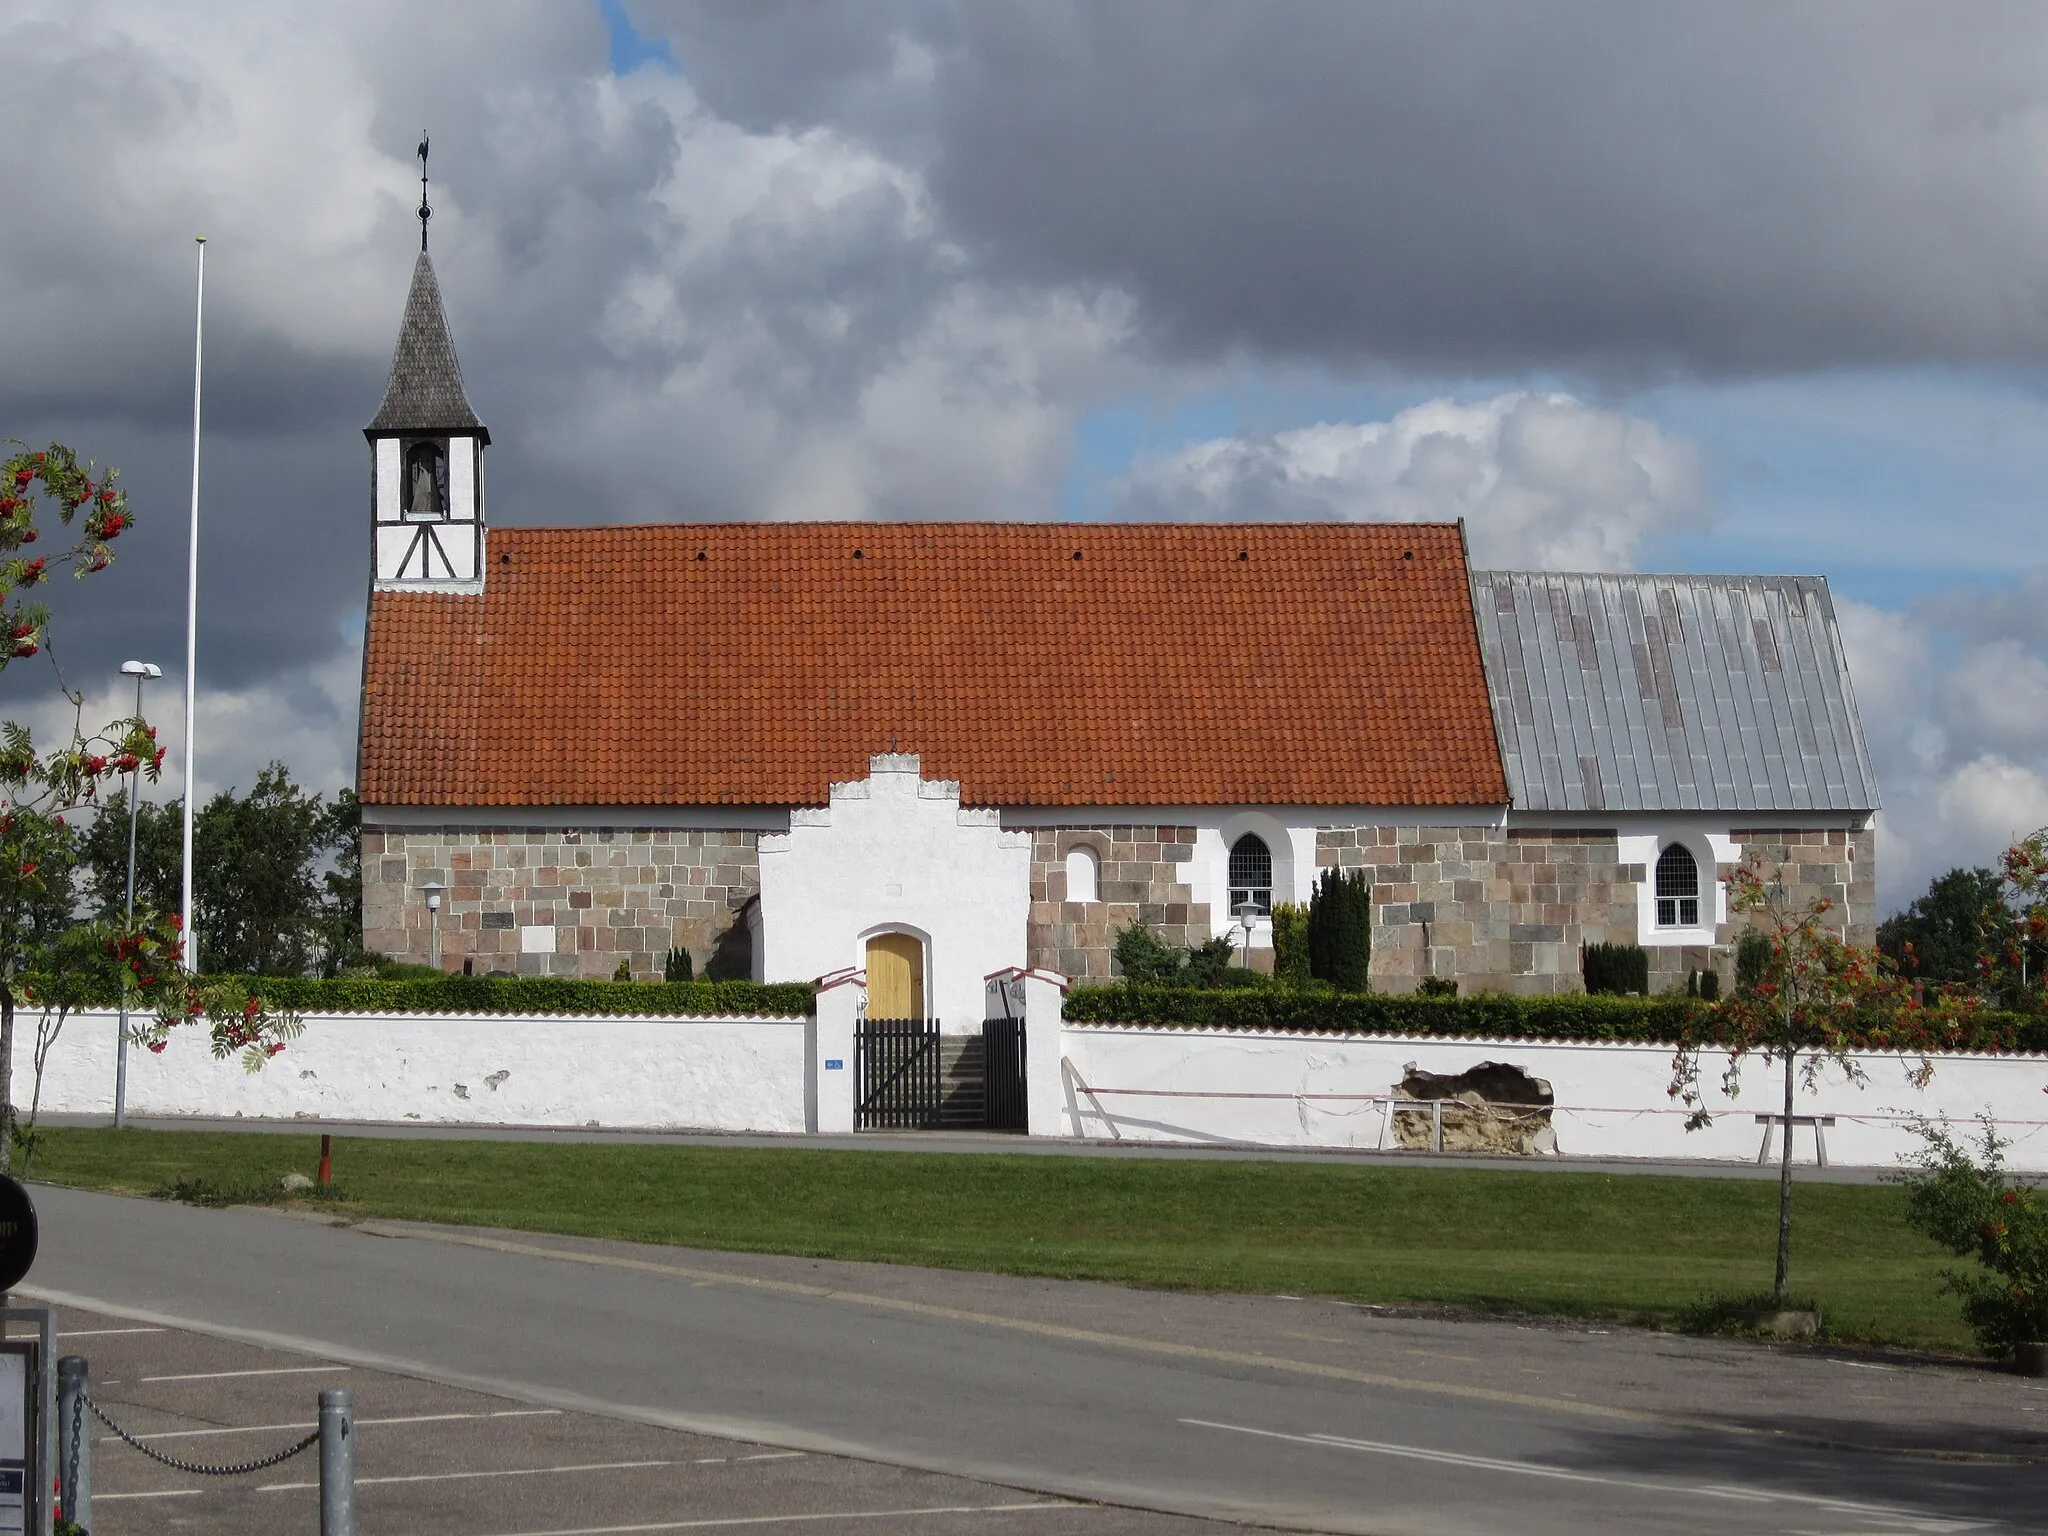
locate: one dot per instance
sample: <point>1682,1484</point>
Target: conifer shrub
<point>1340,930</point>
<point>1616,970</point>
<point>1290,944</point>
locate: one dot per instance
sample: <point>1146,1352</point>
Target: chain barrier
<point>239,1469</point>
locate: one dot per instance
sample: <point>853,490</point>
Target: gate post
<point>1045,994</point>
<point>74,1443</point>
<point>834,1020</point>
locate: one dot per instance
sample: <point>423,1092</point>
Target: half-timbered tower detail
<point>427,449</point>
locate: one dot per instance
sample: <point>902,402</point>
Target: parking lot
<point>433,1460</point>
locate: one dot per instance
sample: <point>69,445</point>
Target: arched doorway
<point>895,966</point>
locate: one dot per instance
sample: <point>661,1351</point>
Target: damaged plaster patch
<point>462,1090</point>
<point>1498,1108</point>
<point>495,1079</point>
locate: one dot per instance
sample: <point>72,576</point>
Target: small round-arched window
<point>1251,874</point>
<point>1083,868</point>
<point>1678,888</point>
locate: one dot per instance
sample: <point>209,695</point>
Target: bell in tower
<point>427,449</point>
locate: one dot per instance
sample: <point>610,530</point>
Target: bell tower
<point>427,450</point>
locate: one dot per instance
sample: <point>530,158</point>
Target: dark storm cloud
<point>1723,188</point>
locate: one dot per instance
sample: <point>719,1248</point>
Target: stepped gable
<point>1037,664</point>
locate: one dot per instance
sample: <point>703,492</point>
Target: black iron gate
<point>1002,1054</point>
<point>896,1075</point>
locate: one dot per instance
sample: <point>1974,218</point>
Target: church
<point>929,751</point>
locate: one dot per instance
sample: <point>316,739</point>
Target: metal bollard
<point>74,1442</point>
<point>337,1462</point>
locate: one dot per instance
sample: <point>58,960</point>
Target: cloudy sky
<point>1723,287</point>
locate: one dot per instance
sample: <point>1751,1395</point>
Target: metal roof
<point>425,390</point>
<point>1671,693</point>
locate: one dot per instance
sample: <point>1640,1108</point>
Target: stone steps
<point>963,1082</point>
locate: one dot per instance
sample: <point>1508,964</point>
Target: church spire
<point>424,393</point>
<point>427,451</point>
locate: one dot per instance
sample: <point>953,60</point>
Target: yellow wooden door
<point>895,977</point>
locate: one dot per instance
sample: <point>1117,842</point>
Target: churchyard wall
<point>564,901</point>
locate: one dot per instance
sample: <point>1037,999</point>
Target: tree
<point>1940,937</point>
<point>1818,1000</point>
<point>159,856</point>
<point>40,789</point>
<point>256,903</point>
<point>2012,964</point>
<point>1340,930</point>
<point>341,904</point>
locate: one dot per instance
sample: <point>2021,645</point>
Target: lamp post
<point>1247,913</point>
<point>142,672</point>
<point>433,891</point>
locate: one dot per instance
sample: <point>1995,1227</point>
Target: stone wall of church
<point>1507,910</point>
<point>1138,882</point>
<point>1498,910</point>
<point>599,895</point>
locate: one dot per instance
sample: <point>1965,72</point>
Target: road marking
<point>1566,1475</point>
<point>771,1456</point>
<point>416,1418</point>
<point>160,1493</point>
<point>731,1522</point>
<point>1026,1325</point>
<point>280,1370</point>
<point>458,1477</point>
<point>101,1333</point>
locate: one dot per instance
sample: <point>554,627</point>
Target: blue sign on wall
<point>832,1064</point>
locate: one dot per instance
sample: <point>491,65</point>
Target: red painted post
<point>326,1160</point>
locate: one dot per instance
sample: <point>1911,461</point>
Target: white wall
<point>1311,1091</point>
<point>729,1074</point>
<point>896,852</point>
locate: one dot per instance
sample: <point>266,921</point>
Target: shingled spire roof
<point>425,392</point>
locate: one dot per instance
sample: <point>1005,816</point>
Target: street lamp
<point>433,892</point>
<point>1247,913</point>
<point>142,672</point>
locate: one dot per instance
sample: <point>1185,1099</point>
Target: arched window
<point>426,481</point>
<point>1251,874</point>
<point>1082,870</point>
<point>1678,888</point>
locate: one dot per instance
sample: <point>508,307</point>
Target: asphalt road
<point>1304,1415</point>
<point>432,1460</point>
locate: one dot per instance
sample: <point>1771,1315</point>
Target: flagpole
<point>192,613</point>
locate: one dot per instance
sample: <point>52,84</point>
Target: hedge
<point>530,994</point>
<point>1573,1016</point>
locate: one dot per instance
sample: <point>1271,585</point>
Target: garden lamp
<point>433,889</point>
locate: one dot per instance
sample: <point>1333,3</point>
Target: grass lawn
<point>1636,1247</point>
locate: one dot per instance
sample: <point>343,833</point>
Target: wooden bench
<point>1819,1123</point>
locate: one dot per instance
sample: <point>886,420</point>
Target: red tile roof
<point>1038,664</point>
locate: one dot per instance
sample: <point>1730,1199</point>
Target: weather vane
<point>426,208</point>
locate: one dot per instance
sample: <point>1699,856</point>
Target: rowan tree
<point>45,790</point>
<point>1819,1001</point>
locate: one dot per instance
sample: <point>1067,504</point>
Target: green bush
<point>1340,930</point>
<point>1566,1017</point>
<point>1710,986</point>
<point>1436,986</point>
<point>1752,960</point>
<point>1290,944</point>
<point>677,966</point>
<point>1969,1206</point>
<point>1142,956</point>
<point>1569,1017</point>
<point>531,994</point>
<point>1616,970</point>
